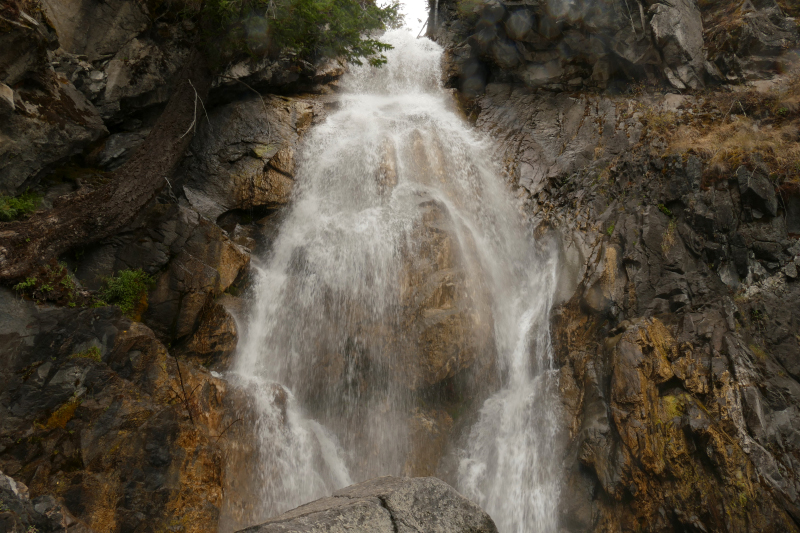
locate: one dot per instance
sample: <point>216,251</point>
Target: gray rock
<point>96,29</point>
<point>793,214</point>
<point>757,191</point>
<point>139,75</point>
<point>244,155</point>
<point>386,505</point>
<point>20,514</point>
<point>51,126</point>
<point>7,104</point>
<point>678,30</point>
<point>118,147</point>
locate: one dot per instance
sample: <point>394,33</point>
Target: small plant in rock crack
<point>14,207</point>
<point>664,209</point>
<point>52,283</point>
<point>128,291</point>
<point>93,353</point>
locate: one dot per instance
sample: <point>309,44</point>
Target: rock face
<point>386,505</point>
<point>20,514</point>
<point>95,413</point>
<point>560,46</point>
<point>675,339</point>
<point>243,156</point>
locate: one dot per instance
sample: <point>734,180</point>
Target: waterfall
<point>402,264</point>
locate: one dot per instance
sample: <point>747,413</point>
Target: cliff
<point>658,143</point>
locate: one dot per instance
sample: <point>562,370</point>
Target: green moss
<point>128,291</point>
<point>23,286</point>
<point>674,406</point>
<point>758,351</point>
<point>610,230</point>
<point>93,353</point>
<point>14,207</point>
<point>664,209</point>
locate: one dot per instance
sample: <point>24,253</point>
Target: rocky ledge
<point>386,505</point>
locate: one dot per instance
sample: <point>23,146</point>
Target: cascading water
<point>401,264</point>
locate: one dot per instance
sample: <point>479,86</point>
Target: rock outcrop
<point>675,339</point>
<point>95,414</point>
<point>386,505</point>
<point>563,46</point>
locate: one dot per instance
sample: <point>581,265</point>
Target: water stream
<point>402,270</point>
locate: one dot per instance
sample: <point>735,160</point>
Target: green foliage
<point>127,290</point>
<point>610,230</point>
<point>51,283</point>
<point>664,209</point>
<point>23,286</point>
<point>308,29</point>
<point>93,353</point>
<point>14,207</point>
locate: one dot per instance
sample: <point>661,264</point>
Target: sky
<point>416,12</point>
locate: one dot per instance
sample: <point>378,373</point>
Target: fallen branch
<point>227,428</point>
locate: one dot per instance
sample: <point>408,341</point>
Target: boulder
<point>757,191</point>
<point>678,31</point>
<point>386,505</point>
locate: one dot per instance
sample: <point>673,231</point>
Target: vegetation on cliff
<point>309,30</point>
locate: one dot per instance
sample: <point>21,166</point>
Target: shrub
<point>309,29</point>
<point>52,283</point>
<point>14,207</point>
<point>128,291</point>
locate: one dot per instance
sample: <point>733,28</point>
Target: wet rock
<point>386,504</point>
<point>429,435</point>
<point>216,336</point>
<point>446,319</point>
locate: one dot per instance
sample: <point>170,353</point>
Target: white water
<point>327,324</point>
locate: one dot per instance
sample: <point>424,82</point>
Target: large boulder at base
<point>386,504</point>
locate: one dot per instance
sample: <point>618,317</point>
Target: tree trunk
<point>90,217</point>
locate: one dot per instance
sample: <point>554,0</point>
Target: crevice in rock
<point>385,505</point>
